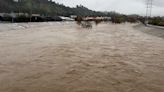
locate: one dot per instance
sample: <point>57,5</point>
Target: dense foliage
<point>159,21</point>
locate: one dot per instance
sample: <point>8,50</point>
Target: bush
<point>36,19</point>
<point>1,18</point>
<point>118,19</point>
<point>78,18</point>
<point>22,18</point>
<point>156,21</point>
<point>132,20</point>
<point>161,23</point>
<point>7,18</point>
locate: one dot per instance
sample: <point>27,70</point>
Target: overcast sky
<point>121,6</point>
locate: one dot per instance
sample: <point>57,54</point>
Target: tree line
<point>44,8</point>
<point>49,8</point>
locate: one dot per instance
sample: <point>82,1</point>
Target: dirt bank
<point>63,57</point>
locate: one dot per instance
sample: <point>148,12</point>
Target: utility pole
<point>149,6</point>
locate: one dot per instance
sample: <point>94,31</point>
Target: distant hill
<point>44,7</point>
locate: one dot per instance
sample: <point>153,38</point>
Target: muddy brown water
<point>63,57</point>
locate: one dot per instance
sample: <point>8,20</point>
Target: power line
<point>149,6</point>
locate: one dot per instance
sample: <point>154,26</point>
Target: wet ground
<point>64,57</point>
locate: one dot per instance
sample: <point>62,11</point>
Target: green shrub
<point>156,21</point>
<point>7,18</point>
<point>22,18</point>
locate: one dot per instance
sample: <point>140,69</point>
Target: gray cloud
<point>122,6</point>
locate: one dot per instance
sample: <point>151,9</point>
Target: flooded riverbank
<point>65,57</point>
<point>151,30</point>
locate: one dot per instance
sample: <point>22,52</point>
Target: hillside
<point>44,7</point>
